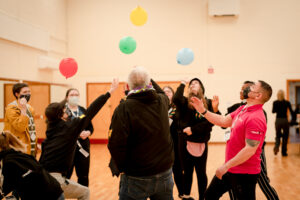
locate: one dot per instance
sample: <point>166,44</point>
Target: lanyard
<point>73,112</point>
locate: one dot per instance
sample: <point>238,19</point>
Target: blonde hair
<point>280,95</point>
<point>9,141</point>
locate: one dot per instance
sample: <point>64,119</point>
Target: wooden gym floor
<point>284,173</point>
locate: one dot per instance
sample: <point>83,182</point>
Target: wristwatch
<point>204,112</point>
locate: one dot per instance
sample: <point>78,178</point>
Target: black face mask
<point>246,91</point>
<point>26,96</point>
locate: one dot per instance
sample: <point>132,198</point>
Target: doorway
<point>293,95</point>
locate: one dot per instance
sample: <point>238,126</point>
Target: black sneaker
<point>12,197</point>
<point>276,150</point>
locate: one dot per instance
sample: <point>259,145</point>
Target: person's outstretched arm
<point>156,87</point>
<point>95,107</point>
<point>178,98</point>
<point>219,120</point>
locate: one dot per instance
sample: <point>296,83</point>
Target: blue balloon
<point>185,56</point>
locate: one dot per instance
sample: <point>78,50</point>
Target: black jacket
<point>59,146</point>
<point>25,175</point>
<point>281,108</point>
<point>86,142</point>
<point>188,117</point>
<point>140,142</point>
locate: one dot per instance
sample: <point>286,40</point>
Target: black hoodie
<point>59,147</point>
<point>140,142</point>
<point>188,117</point>
<point>25,175</point>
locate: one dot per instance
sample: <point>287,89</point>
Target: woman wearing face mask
<point>82,158</point>
<point>19,120</point>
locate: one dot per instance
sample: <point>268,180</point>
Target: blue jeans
<point>156,187</point>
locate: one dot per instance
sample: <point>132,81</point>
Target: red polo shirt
<point>248,122</point>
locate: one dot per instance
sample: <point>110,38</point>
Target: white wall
<point>24,24</point>
<point>261,43</point>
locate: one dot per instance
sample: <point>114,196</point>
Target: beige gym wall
<point>261,43</point>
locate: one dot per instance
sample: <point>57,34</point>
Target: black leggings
<point>178,173</point>
<point>243,186</point>
<point>82,167</point>
<point>263,181</point>
<point>282,130</point>
<point>199,163</point>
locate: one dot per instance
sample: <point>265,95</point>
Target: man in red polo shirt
<point>243,148</point>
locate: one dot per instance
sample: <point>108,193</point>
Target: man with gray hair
<point>140,142</point>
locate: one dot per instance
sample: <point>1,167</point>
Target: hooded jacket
<point>17,124</point>
<point>140,142</point>
<point>25,175</point>
<point>188,117</point>
<point>59,146</point>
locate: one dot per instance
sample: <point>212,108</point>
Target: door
<point>101,121</point>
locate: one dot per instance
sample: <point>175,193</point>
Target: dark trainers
<point>276,150</point>
<point>11,197</point>
<point>284,154</point>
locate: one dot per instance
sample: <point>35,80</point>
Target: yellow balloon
<point>138,16</point>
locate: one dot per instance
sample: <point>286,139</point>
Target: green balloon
<point>127,45</point>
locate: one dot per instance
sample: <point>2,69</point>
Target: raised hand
<point>22,104</point>
<point>185,80</point>
<point>114,85</point>
<point>215,103</point>
<point>198,104</point>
